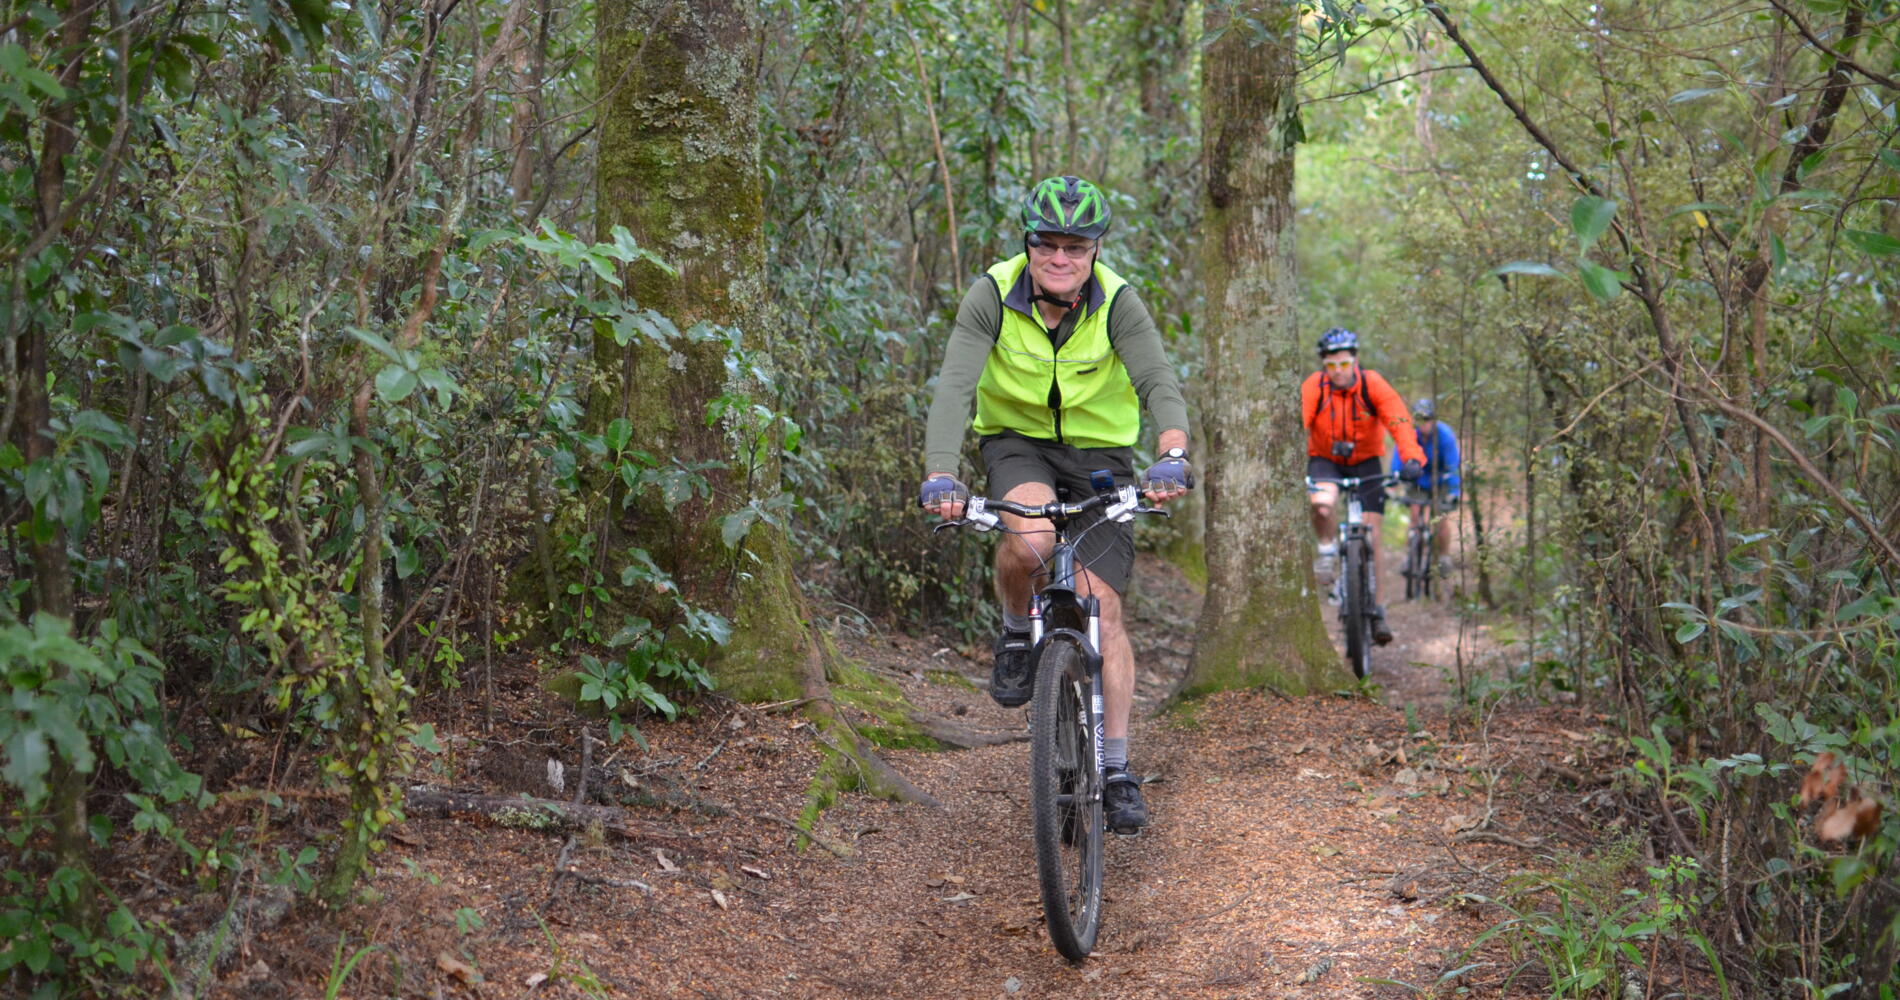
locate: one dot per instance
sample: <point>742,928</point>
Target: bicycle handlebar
<point>1348,482</point>
<point>1125,503</point>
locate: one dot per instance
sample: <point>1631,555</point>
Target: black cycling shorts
<point>1107,550</point>
<point>1371,493</point>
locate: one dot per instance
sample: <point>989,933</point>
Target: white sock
<point>1015,623</point>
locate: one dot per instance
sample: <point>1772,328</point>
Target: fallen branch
<point>836,848</point>
<point>1487,837</point>
<point>524,813</point>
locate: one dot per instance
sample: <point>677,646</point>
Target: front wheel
<point>1418,563</point>
<point>1357,610</point>
<point>1065,795</point>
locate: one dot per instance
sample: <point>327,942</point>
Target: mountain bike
<point>1418,571</point>
<point>1355,585</point>
<point>1065,714</point>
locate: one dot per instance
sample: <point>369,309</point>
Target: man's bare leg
<point>1021,556</point>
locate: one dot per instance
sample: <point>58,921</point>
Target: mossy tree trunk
<point>679,168</point>
<point>1260,624</point>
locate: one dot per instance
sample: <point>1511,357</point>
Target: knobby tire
<point>1418,564</point>
<point>1358,609</point>
<point>1065,796</point>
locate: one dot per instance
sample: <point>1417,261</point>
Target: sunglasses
<point>1338,366</point>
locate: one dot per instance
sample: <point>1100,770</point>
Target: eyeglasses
<point>1074,251</point>
<point>1339,366</point>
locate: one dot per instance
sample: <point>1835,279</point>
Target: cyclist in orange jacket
<point>1348,410</point>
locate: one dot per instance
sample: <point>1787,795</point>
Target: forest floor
<point>1299,848</point>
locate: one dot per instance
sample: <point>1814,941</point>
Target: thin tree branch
<point>1577,176</point>
<point>1814,475</point>
<point>1368,88</point>
<point>943,164</point>
<point>1839,59</point>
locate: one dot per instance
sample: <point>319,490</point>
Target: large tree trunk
<point>1260,624</point>
<point>679,167</point>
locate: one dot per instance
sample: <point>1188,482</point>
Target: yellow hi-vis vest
<point>1079,394</point>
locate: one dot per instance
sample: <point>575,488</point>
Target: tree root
<point>851,762</point>
<point>962,738</point>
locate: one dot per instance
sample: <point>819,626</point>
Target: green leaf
<point>1849,872</point>
<point>35,952</point>
<point>1589,217</point>
<point>618,434</point>
<point>1527,267</point>
<point>1705,207</point>
<point>14,63</point>
<point>1867,604</point>
<point>394,383</point>
<point>439,382</point>
<point>1603,284</point>
<point>406,562</point>
<point>489,237</point>
<point>734,526</point>
<point>1691,95</point>
<point>1868,241</point>
<point>28,760</point>
<point>424,737</point>
<point>1688,632</point>
<point>381,346</point>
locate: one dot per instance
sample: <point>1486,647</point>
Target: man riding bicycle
<point>1348,410</point>
<point>1055,348</point>
<point>1439,481</point>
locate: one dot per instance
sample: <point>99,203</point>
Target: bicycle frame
<point>1353,524</point>
<point>1066,790</point>
<point>1355,585</point>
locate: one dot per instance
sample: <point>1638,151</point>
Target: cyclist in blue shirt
<point>1440,482</point>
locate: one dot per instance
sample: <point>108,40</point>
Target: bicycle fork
<point>1093,715</point>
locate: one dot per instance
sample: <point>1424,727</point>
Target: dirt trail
<point>1300,848</point>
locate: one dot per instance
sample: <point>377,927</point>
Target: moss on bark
<point>1260,624</point>
<point>679,168</point>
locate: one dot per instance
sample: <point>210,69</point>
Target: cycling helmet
<point>1423,408</point>
<point>1338,339</point>
<point>1065,205</point>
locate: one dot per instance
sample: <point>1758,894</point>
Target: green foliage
<point>864,281</point>
<point>80,709</point>
<point>1583,927</point>
<point>1676,563</point>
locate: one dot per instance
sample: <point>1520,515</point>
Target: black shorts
<point>1107,550</point>
<point>1371,493</point>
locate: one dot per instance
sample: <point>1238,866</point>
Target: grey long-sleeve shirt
<point>1131,331</point>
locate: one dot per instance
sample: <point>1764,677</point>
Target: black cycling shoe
<point>1122,804</point>
<point>1381,632</point>
<point>1012,681</point>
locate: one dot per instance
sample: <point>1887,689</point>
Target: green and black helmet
<point>1066,205</point>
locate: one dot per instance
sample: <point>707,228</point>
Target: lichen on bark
<point>679,168</point>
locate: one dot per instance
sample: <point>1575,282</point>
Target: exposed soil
<point>1300,848</point>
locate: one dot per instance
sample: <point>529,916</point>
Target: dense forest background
<point>319,317</point>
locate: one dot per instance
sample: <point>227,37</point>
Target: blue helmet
<point>1424,409</point>
<point>1338,339</point>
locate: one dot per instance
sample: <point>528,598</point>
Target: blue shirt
<point>1441,459</point>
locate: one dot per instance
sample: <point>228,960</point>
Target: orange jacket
<point>1356,414</point>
